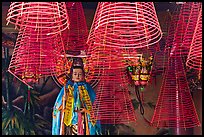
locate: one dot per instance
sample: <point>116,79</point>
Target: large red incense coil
<point>125,25</point>
<point>39,44</point>
<point>101,57</point>
<point>191,24</point>
<point>113,104</point>
<point>160,62</point>
<point>172,29</point>
<point>50,17</point>
<point>75,37</point>
<point>175,107</point>
<point>178,38</point>
<point>34,57</point>
<point>194,59</point>
<point>182,30</point>
<point>130,56</point>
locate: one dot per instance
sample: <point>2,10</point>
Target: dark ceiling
<point>159,6</point>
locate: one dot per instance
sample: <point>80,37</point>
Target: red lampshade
<point>175,107</point>
<point>194,59</point>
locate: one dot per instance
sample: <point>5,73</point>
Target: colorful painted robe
<point>94,129</point>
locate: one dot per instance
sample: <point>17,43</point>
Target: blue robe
<point>56,121</point>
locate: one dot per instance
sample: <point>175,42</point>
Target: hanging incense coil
<point>125,25</point>
<point>39,44</point>
<point>76,36</point>
<point>175,107</point>
<point>191,24</point>
<point>101,57</point>
<point>160,62</point>
<point>74,39</point>
<point>34,57</point>
<point>172,29</point>
<point>182,31</point>
<point>49,17</point>
<point>113,104</point>
<point>194,59</point>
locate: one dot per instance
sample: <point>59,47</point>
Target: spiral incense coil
<point>34,57</point>
<point>125,25</point>
<point>96,72</point>
<point>191,24</point>
<point>175,107</point>
<point>100,57</point>
<point>176,49</point>
<point>106,57</point>
<point>113,104</point>
<point>160,62</point>
<point>194,59</point>
<point>182,30</point>
<point>76,36</point>
<point>49,17</point>
<point>130,56</point>
<point>171,30</point>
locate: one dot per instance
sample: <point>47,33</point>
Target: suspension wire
<point>140,103</point>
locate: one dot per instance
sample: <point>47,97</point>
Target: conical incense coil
<point>179,33</point>
<point>113,104</point>
<point>172,29</point>
<point>34,57</point>
<point>178,47</point>
<point>115,75</point>
<point>194,59</point>
<point>101,57</point>
<point>160,62</point>
<point>96,66</point>
<point>76,36</point>
<point>106,57</point>
<point>190,28</point>
<point>130,56</point>
<point>125,25</point>
<point>175,107</point>
<point>50,17</point>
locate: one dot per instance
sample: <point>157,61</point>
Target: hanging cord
<point>140,101</point>
<point>141,105</point>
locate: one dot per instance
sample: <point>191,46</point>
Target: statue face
<point>77,75</point>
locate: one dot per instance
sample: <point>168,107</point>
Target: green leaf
<point>32,132</point>
<point>6,121</point>
<point>16,121</point>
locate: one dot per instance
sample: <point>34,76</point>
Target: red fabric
<point>80,124</point>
